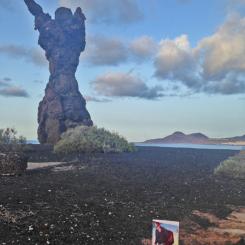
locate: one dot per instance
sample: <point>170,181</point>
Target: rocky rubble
<point>12,163</point>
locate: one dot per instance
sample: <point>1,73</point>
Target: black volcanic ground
<point>112,198</point>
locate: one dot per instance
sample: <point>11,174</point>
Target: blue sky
<point>150,67</point>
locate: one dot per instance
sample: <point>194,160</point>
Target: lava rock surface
<point>112,198</point>
<point>12,163</point>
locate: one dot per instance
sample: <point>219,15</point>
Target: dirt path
<point>36,165</point>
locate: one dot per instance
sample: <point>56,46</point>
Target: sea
<point>33,142</point>
<point>196,146</point>
<point>192,146</point>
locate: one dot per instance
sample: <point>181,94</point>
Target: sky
<point>150,67</point>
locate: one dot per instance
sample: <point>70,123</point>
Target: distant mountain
<point>195,138</point>
<point>179,137</point>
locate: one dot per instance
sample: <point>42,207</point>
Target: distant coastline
<point>194,146</point>
<point>241,143</point>
<point>197,139</point>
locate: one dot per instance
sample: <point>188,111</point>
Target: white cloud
<point>234,3</point>
<point>224,51</point>
<point>35,56</point>
<point>7,4</point>
<point>215,65</point>
<point>175,60</point>
<point>13,91</point>
<point>89,98</point>
<point>4,83</point>
<point>7,89</point>
<point>119,84</point>
<point>101,50</point>
<point>143,48</point>
<point>108,11</point>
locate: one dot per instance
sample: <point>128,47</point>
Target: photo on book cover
<point>165,232</point>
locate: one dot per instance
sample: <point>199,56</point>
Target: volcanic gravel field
<point>111,199</point>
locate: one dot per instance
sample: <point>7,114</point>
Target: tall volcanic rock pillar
<point>63,40</point>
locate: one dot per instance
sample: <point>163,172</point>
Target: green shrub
<point>9,141</point>
<point>8,136</point>
<point>233,167</point>
<point>84,139</point>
